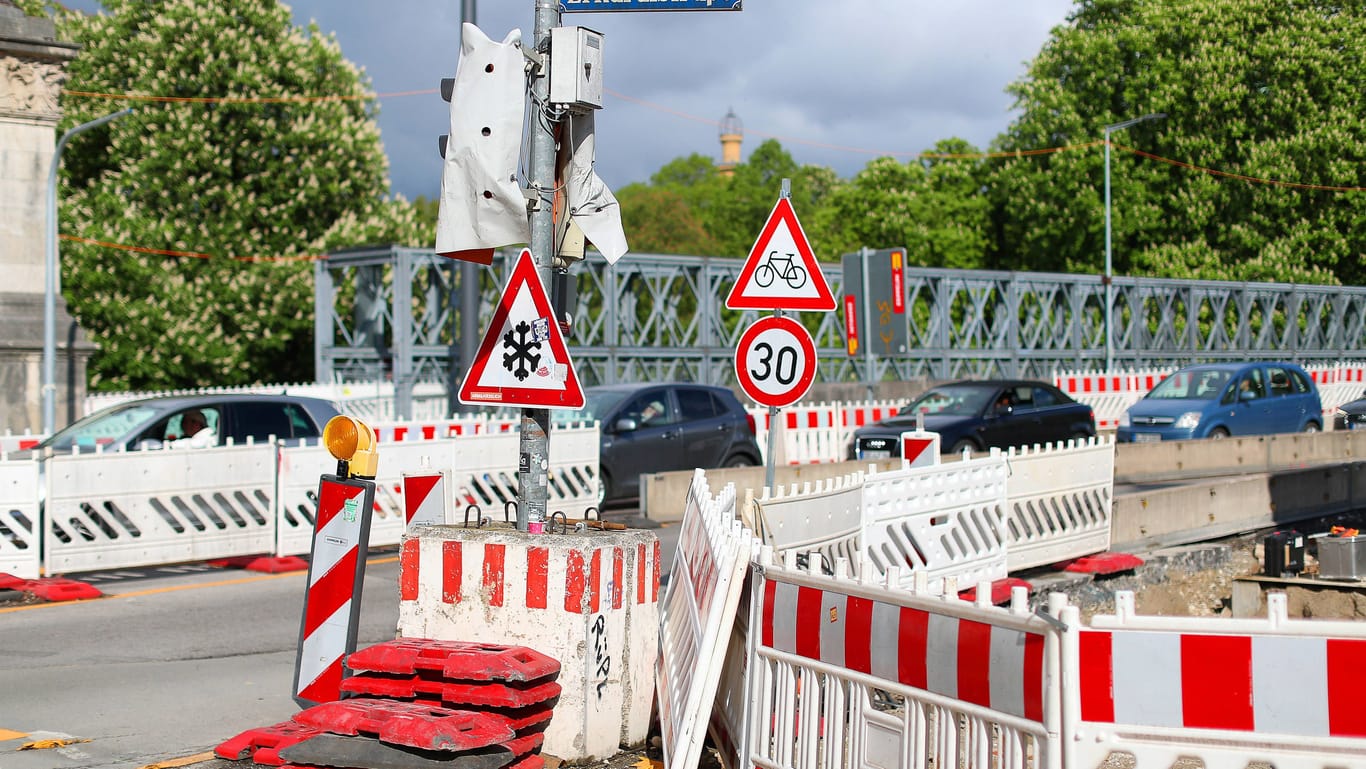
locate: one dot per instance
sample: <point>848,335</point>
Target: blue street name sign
<point>572,6</point>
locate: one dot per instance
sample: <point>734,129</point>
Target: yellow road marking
<point>6,734</point>
<point>175,762</point>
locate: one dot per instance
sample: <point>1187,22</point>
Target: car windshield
<point>1197,384</point>
<point>596,405</point>
<point>952,400</point>
<point>101,427</point>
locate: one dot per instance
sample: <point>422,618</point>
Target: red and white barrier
<point>1109,394</point>
<point>336,571</point>
<point>852,672</point>
<point>9,442</point>
<point>1228,692</point>
<point>589,600</point>
<point>425,499</point>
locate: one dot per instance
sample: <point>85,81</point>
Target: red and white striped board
<point>919,448</point>
<point>336,570</point>
<point>1302,686</point>
<point>425,499</point>
<point>994,666</point>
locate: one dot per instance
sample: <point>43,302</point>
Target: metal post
<point>1109,268</point>
<point>773,411</point>
<point>533,461</point>
<point>469,290</point>
<point>53,280</point>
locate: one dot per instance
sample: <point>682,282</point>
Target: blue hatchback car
<point>1222,399</point>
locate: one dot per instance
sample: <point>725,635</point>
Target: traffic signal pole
<point>533,461</point>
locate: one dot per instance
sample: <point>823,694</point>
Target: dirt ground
<point>1197,581</point>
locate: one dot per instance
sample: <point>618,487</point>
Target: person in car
<point>196,431</point>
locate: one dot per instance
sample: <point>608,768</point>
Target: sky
<point>837,83</point>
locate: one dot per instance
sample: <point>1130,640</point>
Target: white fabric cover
<point>482,206</point>
<point>591,204</point>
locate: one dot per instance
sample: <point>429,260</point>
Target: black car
<point>1351,415</point>
<point>150,422</point>
<point>979,415</point>
<point>652,428</point>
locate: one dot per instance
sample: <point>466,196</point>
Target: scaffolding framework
<point>393,313</point>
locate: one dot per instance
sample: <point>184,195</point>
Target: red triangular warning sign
<point>782,272</point>
<point>522,360</point>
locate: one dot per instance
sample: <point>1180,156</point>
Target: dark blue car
<point>979,415</point>
<point>1219,400</point>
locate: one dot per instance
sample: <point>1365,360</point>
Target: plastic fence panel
<point>948,520</point>
<point>825,519</point>
<point>153,507</point>
<point>20,553</point>
<point>851,673</point>
<point>1060,501</point>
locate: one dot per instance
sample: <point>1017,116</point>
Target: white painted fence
<point>1060,500</point>
<point>140,508</point>
<point>9,442</point>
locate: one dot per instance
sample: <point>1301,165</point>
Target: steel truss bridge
<point>394,313</point>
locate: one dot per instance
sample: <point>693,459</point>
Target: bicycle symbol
<point>793,273</point>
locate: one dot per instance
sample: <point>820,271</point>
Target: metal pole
<point>469,288</point>
<point>1109,268</point>
<point>1109,287</point>
<point>52,282</point>
<point>533,461</point>
<point>773,411</point>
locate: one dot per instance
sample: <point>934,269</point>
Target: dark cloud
<point>889,76</point>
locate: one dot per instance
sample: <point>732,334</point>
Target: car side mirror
<point>626,425</point>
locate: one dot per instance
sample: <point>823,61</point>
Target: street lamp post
<point>52,281</point>
<point>1109,268</point>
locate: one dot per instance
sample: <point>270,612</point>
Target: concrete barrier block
<point>588,599</point>
<point>663,495</point>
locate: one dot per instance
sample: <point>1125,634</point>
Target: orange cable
<point>189,254</point>
<point>1230,175</point>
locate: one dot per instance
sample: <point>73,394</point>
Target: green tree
<point>736,216</point>
<point>934,206</point>
<point>660,220</point>
<point>1254,88</point>
<point>287,167</point>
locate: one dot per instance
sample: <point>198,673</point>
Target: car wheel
<point>1218,433</point>
<point>1080,437</point>
<point>740,460</point>
<point>1311,427</point>
<point>962,445</point>
<point>604,488</point>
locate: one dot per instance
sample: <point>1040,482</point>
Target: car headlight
<point>1124,419</point>
<point>1188,421</point>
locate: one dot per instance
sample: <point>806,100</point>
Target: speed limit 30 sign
<point>775,361</point>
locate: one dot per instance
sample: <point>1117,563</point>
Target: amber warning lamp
<point>354,445</point>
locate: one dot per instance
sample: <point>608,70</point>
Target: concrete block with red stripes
<point>588,600</point>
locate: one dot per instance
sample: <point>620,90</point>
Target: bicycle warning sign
<point>782,272</point>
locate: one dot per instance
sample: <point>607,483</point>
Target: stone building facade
<point>32,72</point>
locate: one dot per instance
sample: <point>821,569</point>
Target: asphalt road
<point>168,665</point>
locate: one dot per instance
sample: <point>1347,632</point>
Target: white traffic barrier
<point>705,585</point>
<point>112,510</point>
<point>20,554</point>
<point>919,448</point>
<point>1109,393</point>
<point>589,600</point>
<point>1225,692</point>
<point>947,520</point>
<point>825,518</point>
<point>482,470</point>
<point>434,429</point>
<point>860,672</point>
<point>1060,500</point>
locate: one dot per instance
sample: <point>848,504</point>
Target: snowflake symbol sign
<point>523,351</point>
